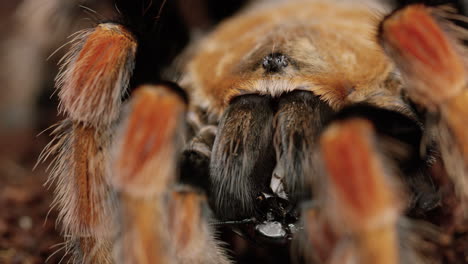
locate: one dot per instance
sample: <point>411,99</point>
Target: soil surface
<point>27,224</point>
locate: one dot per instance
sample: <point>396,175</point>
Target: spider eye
<point>275,62</point>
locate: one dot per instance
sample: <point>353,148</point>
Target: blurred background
<point>31,34</point>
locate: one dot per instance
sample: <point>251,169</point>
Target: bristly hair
<point>95,74</point>
<point>89,223</point>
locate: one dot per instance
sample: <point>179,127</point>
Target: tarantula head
<point>273,51</point>
<point>273,78</point>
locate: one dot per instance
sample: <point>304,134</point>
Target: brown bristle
<point>83,194</point>
<point>92,250</point>
<point>88,177</point>
<point>427,55</point>
<point>148,144</point>
<point>96,73</point>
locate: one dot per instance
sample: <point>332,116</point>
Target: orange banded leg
<point>433,66</point>
<point>144,171</point>
<point>160,225</point>
<point>360,209</point>
<point>93,77</point>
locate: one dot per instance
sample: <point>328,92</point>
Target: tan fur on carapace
<point>331,46</point>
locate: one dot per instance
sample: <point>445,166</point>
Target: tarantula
<point>321,126</point>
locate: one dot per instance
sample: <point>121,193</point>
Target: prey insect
<point>324,127</point>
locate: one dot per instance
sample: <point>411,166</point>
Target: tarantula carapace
<point>322,126</point>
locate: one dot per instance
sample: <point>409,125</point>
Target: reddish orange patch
<point>84,146</point>
<point>95,77</point>
<point>104,52</point>
<point>414,32</point>
<point>151,130</point>
<point>355,172</point>
<point>425,53</point>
